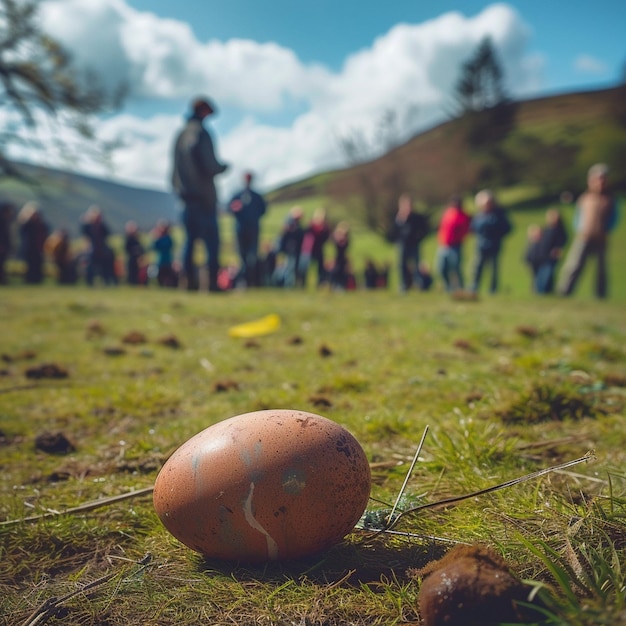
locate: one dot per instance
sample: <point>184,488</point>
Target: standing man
<point>596,216</point>
<point>248,207</point>
<point>195,167</point>
<point>491,226</point>
<point>411,228</point>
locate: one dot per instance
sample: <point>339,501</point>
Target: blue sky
<point>328,31</point>
<point>291,78</point>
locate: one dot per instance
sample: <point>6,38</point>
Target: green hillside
<point>550,142</point>
<point>64,197</point>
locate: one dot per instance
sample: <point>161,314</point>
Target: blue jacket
<point>253,207</point>
<point>490,228</point>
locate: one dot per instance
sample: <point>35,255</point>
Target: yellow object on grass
<point>263,326</point>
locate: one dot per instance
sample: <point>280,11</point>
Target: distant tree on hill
<point>481,83</point>
<point>487,112</point>
<point>38,81</point>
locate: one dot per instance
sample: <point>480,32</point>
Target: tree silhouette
<point>487,114</point>
<point>481,83</point>
<point>37,76</point>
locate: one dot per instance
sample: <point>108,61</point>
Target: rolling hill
<point>65,196</point>
<point>546,143</point>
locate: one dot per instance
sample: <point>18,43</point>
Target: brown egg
<point>267,485</point>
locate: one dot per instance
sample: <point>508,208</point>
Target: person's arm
<point>205,155</point>
<point>612,220</point>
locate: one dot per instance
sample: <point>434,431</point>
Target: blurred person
<point>248,207</point>
<point>595,218</point>
<point>532,254</point>
<point>410,229</point>
<point>100,256</point>
<point>134,253</point>
<point>490,225</point>
<point>316,235</point>
<point>289,245</point>
<point>453,228</point>
<point>426,276</point>
<point>341,271</point>
<point>194,171</point>
<point>58,247</point>
<point>163,244</point>
<point>33,234</point>
<point>7,213</point>
<point>550,250</point>
<point>370,274</point>
<point>267,264</point>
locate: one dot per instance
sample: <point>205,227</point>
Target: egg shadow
<point>364,560</point>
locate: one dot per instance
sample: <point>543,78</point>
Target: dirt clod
<point>528,331</point>
<point>170,341</point>
<point>320,401</point>
<point>220,386</point>
<point>470,585</point>
<point>54,443</point>
<point>114,351</point>
<point>134,337</point>
<point>325,351</point>
<point>46,370</point>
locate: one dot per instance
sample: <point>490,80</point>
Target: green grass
<point>398,363</point>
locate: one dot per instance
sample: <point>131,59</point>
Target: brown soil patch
<point>47,370</point>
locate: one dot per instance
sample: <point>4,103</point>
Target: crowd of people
<point>299,250</point>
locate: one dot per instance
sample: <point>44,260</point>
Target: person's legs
<point>403,268</point>
<point>249,248</point>
<point>211,237</point>
<point>414,265</point>
<point>494,258</point>
<point>192,232</point>
<point>454,265</point>
<point>574,264</point>
<point>479,265</point>
<point>601,277</point>
<point>443,266</point>
<point>544,281</point>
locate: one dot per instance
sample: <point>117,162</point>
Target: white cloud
<point>590,65</point>
<point>411,68</point>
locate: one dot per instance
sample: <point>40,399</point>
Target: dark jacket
<point>553,239</point>
<point>411,231</point>
<point>253,207</point>
<point>195,166</point>
<point>490,228</point>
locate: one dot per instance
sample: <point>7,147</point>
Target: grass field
<point>507,385</point>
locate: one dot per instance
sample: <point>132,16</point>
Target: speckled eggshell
<point>268,485</point>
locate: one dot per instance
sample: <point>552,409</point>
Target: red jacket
<point>454,226</point>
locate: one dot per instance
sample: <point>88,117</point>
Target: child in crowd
<point>134,253</point>
<point>163,244</point>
